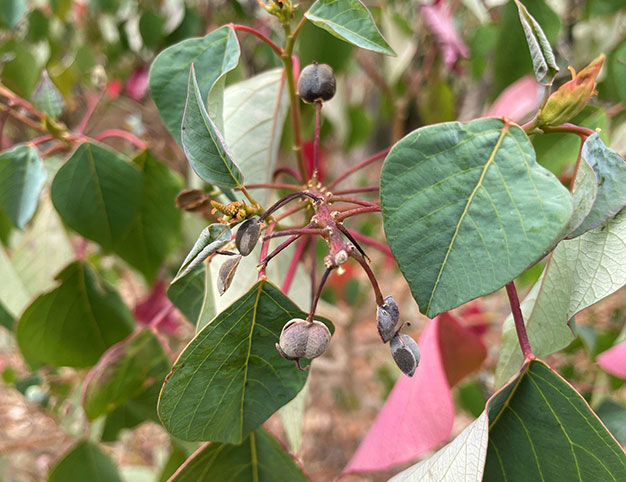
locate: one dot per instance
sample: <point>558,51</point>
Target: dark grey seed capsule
<point>405,353</point>
<point>302,339</point>
<point>387,317</point>
<point>316,82</point>
<point>227,273</point>
<point>248,236</point>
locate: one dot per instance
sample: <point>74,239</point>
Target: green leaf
<point>466,209</point>
<point>254,116</point>
<point>98,194</point>
<point>21,179</point>
<point>463,459</point>
<point>584,195</point>
<point>123,372</point>
<point>42,251</point>
<point>85,461</point>
<point>541,54</point>
<point>350,21</point>
<point>187,293</point>
<point>579,273</point>
<point>212,238</point>
<point>20,68</point>
<point>617,70</point>
<point>613,415</point>
<point>511,59</point>
<point>47,98</point>
<point>317,45</point>
<point>75,323</point>
<point>13,294</point>
<point>12,11</point>
<point>156,228</point>
<point>213,55</point>
<point>203,144</point>
<point>610,170</point>
<point>259,458</point>
<point>230,378</point>
<point>542,429</point>
<point>151,28</point>
<point>6,319</point>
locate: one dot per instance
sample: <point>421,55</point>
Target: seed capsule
<point>227,273</point>
<point>387,317</point>
<point>405,353</point>
<point>303,339</point>
<point>316,82</point>
<point>248,236</point>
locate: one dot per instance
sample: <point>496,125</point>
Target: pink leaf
<point>439,21</point>
<point>614,360</point>
<point>157,310</point>
<point>137,84</point>
<point>419,412</point>
<point>518,100</point>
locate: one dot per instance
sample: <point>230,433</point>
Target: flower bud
<point>316,82</point>
<point>387,317</point>
<point>303,339</point>
<point>572,97</point>
<point>248,236</point>
<point>405,353</point>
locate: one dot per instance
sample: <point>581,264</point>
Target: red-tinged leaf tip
<point>613,360</point>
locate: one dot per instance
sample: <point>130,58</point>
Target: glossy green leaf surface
<point>230,378</point>
<point>254,116</point>
<point>123,372</point>
<point>203,144</point>
<point>75,323</point>
<point>85,461</point>
<point>613,415</point>
<point>579,273</point>
<point>540,428</point>
<point>610,170</point>
<point>156,228</point>
<point>260,458</point>
<point>21,179</point>
<point>466,208</point>
<point>351,21</point>
<point>98,194</point>
<point>213,55</point>
<point>212,238</point>
<point>462,460</point>
<point>544,63</point>
<point>47,98</point>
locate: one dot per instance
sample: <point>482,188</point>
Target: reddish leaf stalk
<point>92,103</point>
<point>576,166</point>
<point>287,170</point>
<point>291,187</point>
<point>263,37</point>
<point>288,198</point>
<point>352,200</point>
<point>316,139</point>
<point>371,242</point>
<point>370,274</point>
<point>263,258</point>
<point>3,121</point>
<point>290,232</point>
<point>582,132</point>
<point>293,265</point>
<point>520,327</point>
<point>266,259</point>
<point>318,294</point>
<point>356,211</point>
<point>361,165</point>
<point>357,190</point>
<point>127,136</point>
<point>313,257</point>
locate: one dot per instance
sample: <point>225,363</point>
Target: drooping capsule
<point>316,83</point>
<point>303,339</point>
<point>248,235</point>
<point>227,273</point>
<point>387,317</point>
<point>405,353</point>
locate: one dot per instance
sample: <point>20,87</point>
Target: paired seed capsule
<point>317,83</point>
<point>387,317</point>
<point>405,353</point>
<point>248,236</point>
<point>303,339</point>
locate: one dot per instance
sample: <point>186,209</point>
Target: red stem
<point>582,132</point>
<point>263,37</point>
<point>358,190</point>
<point>371,242</point>
<point>134,140</point>
<point>264,249</point>
<point>520,327</point>
<point>370,274</point>
<point>351,200</point>
<point>291,232</point>
<point>360,165</point>
<point>279,248</point>
<point>92,103</point>
<point>287,170</point>
<point>273,185</point>
<point>316,139</point>
<point>41,140</point>
<point>313,258</point>
<point>575,173</point>
<point>318,294</point>
<point>355,211</point>
<point>3,121</point>
<point>297,257</point>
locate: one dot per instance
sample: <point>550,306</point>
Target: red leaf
<point>137,84</point>
<point>157,310</point>
<point>518,100</point>
<point>439,21</point>
<point>419,412</point>
<point>614,360</point>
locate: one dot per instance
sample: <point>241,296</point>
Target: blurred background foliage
<point>96,54</point>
